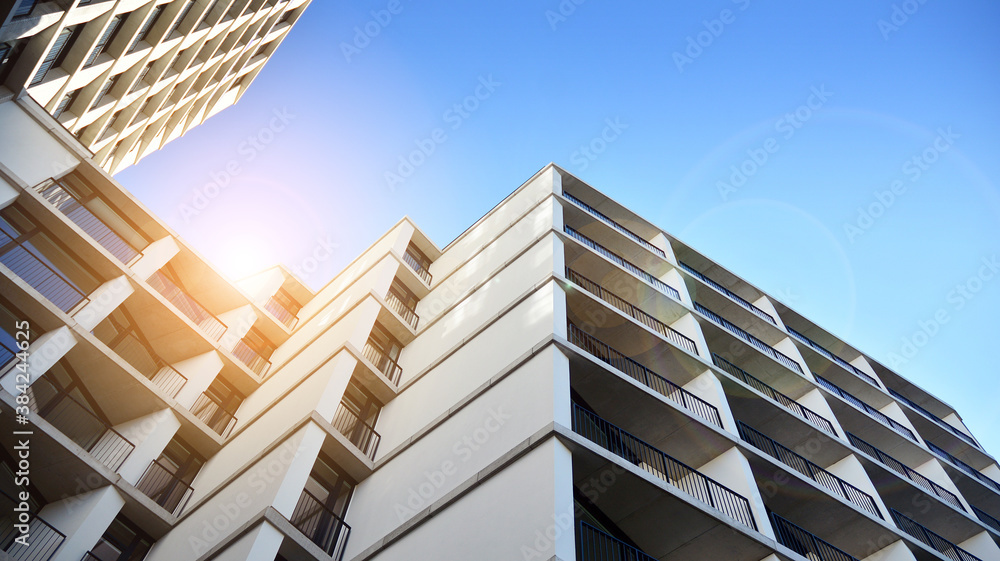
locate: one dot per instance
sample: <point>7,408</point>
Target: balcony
<point>251,357</point>
<point>805,544</point>
<point>210,411</point>
<point>155,369</point>
<point>748,338</point>
<point>595,545</point>
<point>843,363</point>
<point>692,482</point>
<point>871,411</point>
<point>732,295</point>
<point>76,421</point>
<point>360,434</point>
<point>904,471</point>
<point>929,538</point>
<point>321,525</point>
<point>621,229</point>
<point>632,311</point>
<point>396,305</point>
<point>166,490</point>
<point>68,204</point>
<point>25,261</point>
<point>621,262</point>
<point>187,305</point>
<point>382,362</point>
<point>644,376</point>
<point>43,543</point>
<point>788,403</point>
<point>987,519</point>
<point>281,312</point>
<point>414,264</point>
<point>961,435</point>
<point>831,482</point>
<point>973,472</point>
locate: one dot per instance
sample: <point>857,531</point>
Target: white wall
<point>155,256</point>
<point>732,469</point>
<point>32,154</point>
<point>83,519</point>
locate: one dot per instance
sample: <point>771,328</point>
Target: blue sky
<point>842,156</point>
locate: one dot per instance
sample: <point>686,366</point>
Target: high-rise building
<point>128,76</point>
<point>564,380</point>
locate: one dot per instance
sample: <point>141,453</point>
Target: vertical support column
<point>708,387</point>
<point>200,371</point>
<point>787,347</point>
<point>815,401</point>
<point>83,519</point>
<point>261,542</point>
<point>154,257</point>
<point>150,435</point>
<point>733,470</point>
<point>44,353</point>
<point>690,328</point>
<point>103,301</point>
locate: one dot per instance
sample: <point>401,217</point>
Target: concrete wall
<point>33,155</point>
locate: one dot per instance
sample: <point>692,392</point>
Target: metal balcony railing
<point>671,334</point>
<point>79,424</point>
<point>610,222</point>
<point>24,261</point>
<point>44,539</point>
<point>788,403</point>
<point>939,422</point>
<point>361,434</point>
<point>623,263</point>
<point>321,525</point>
<point>382,362</point>
<point>396,305</point>
<point>843,363</point>
<point>805,543</point>
<point>280,312</point>
<point>187,305</point>
<point>6,354</point>
<point>732,295</point>
<point>845,490</point>
<point>155,369</point>
<point>251,358</point>
<point>644,376</point>
<point>991,521</point>
<point>166,490</point>
<point>414,264</point>
<point>936,542</point>
<point>210,411</point>
<point>753,341</point>
<point>68,204</point>
<point>595,545</point>
<point>905,471</point>
<point>980,476</point>
<point>689,480</point>
<point>872,412</point>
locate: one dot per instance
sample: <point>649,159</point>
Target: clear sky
<point>842,156</point>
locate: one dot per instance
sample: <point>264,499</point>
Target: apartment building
<point>564,380</point>
<point>128,76</point>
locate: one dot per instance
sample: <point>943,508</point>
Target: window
<point>122,541</point>
<point>141,80</point>
<point>180,18</point>
<point>24,9</point>
<point>56,54</point>
<point>168,479</point>
<point>112,122</point>
<point>384,342</point>
<point>102,44</point>
<point>147,26</point>
<point>209,11</point>
<point>321,507</point>
<point>64,103</point>
<point>104,91</point>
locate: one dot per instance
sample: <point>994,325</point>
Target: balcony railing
<point>414,264</point>
<point>689,480</point>
<point>982,477</point>
<point>251,358</point>
<point>671,334</point>
<point>75,420</point>
<point>155,369</point>
<point>623,263</point>
<point>905,471</point>
<point>788,403</point>
<point>939,422</point>
<point>991,521</point>
<point>753,341</point>
<point>361,434</point>
<point>44,539</point>
<point>805,543</point>
<point>40,275</point>
<point>382,362</point>
<point>210,411</point>
<point>595,545</point>
<point>872,412</point>
<point>936,542</point>
<point>161,485</point>
<point>845,490</point>
<point>187,305</point>
<point>321,525</point>
<point>396,305</point>
<point>610,222</point>
<point>68,204</point>
<point>732,295</point>
<point>644,376</point>
<point>843,363</point>
<point>279,311</point>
